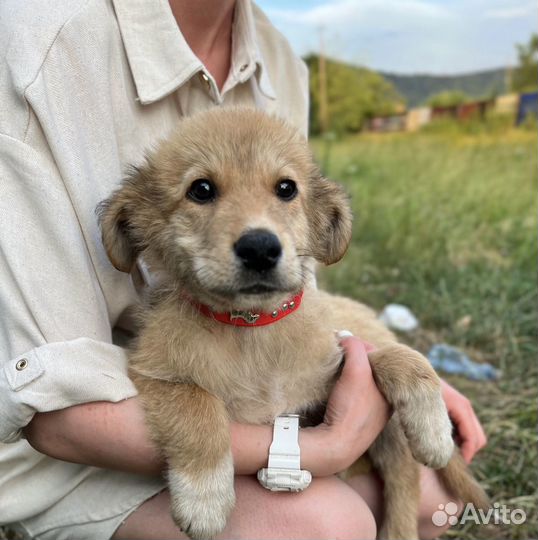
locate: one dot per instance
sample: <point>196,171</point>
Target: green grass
<point>445,222</point>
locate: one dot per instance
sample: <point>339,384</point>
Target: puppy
<point>235,213</point>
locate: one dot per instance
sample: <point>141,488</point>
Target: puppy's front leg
<point>191,427</point>
<point>412,387</point>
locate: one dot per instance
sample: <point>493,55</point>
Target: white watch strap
<point>284,452</point>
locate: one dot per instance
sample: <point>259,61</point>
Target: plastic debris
<point>451,360</point>
<point>398,317</point>
<point>465,322</point>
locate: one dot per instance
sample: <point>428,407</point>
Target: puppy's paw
<point>428,429</point>
<point>201,503</point>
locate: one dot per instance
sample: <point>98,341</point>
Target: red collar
<point>248,318</point>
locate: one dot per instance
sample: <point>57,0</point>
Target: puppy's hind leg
<point>401,483</point>
<point>191,427</point>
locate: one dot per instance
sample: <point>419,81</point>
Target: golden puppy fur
<point>195,374</point>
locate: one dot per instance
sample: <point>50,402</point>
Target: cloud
<point>406,36</point>
<point>510,13</point>
<point>342,12</point>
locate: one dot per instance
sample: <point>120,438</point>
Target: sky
<point>409,36</point>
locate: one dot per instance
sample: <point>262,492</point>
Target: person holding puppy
<point>85,88</point>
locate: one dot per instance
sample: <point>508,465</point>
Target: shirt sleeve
<point>55,330</point>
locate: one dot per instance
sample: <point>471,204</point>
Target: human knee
<point>333,510</point>
<point>437,516</point>
<point>438,510</point>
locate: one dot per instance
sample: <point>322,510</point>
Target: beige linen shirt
<point>85,87</point>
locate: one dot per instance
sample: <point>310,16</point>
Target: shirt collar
<point>161,60</point>
<point>247,58</point>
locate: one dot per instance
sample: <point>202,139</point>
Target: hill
<point>365,93</point>
<point>416,89</point>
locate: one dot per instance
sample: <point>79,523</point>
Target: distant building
<point>524,105</point>
<point>446,111</point>
<point>507,104</point>
<point>385,124</point>
<point>418,117</point>
<point>474,109</point>
<point>528,106</point>
<point>463,111</point>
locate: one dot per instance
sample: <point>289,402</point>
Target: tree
<point>448,98</point>
<point>354,95</point>
<point>525,77</point>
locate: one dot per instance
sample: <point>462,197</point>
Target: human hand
<point>470,433</point>
<point>356,411</point>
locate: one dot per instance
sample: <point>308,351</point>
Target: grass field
<point>446,223</point>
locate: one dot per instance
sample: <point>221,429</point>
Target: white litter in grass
<point>398,317</point>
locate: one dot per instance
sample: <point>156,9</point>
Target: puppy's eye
<point>202,191</point>
<point>286,189</point>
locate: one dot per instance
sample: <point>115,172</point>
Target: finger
<point>471,431</point>
<point>464,433</point>
<point>353,376</point>
<point>344,334</point>
<point>356,366</point>
<point>478,431</point>
<point>483,441</point>
<point>474,432</point>
<point>468,442</point>
<point>355,369</point>
<point>467,451</point>
<point>468,447</point>
<point>481,436</point>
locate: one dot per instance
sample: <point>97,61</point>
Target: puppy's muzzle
<point>258,250</point>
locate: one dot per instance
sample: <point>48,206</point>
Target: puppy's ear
<point>330,220</point>
<point>115,219</point>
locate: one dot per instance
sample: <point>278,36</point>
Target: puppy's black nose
<point>258,250</point>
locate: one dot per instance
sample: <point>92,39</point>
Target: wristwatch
<point>283,472</point>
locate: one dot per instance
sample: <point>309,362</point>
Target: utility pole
<point>323,101</point>
<point>508,79</point>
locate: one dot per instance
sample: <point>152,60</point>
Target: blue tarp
<point>445,358</point>
<point>528,105</point>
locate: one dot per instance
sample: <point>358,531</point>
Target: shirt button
<point>205,78</point>
<point>21,364</point>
